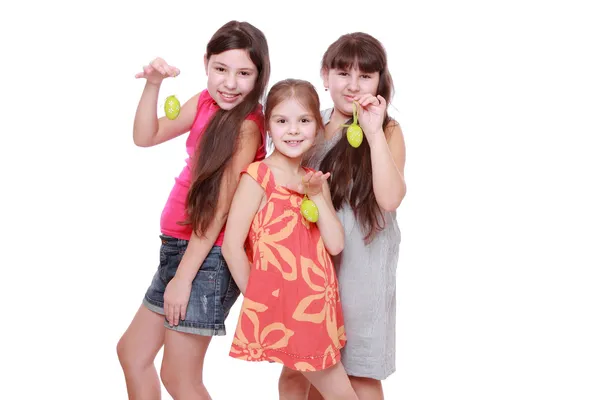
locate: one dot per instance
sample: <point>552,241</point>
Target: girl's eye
<point>245,73</point>
<point>280,121</point>
<point>220,69</point>
<point>305,120</point>
<point>342,73</point>
<point>366,76</point>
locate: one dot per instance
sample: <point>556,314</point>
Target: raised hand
<point>371,112</point>
<point>157,70</point>
<point>312,183</point>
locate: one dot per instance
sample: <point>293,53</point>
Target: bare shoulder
<point>248,143</point>
<point>250,130</point>
<point>392,129</point>
<point>396,144</point>
<point>248,183</point>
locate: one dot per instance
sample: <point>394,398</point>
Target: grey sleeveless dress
<point>367,280</point>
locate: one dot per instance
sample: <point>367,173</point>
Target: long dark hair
<point>220,138</point>
<point>351,173</point>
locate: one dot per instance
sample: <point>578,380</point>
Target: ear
<point>206,64</point>
<point>325,77</point>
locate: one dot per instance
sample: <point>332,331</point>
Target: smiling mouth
<point>229,95</point>
<point>293,142</point>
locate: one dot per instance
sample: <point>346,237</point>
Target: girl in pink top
<point>192,290</point>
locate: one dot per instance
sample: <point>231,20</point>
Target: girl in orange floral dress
<point>281,261</point>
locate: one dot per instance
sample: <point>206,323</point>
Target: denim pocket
<point>212,262</point>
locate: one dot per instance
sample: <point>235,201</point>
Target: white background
<point>498,279</point>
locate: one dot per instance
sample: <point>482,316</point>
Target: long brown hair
<point>351,173</point>
<point>220,138</point>
<point>303,91</point>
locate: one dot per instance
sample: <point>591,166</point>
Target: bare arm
<point>250,138</point>
<point>316,188</point>
<point>178,290</point>
<point>245,205</point>
<point>387,161</point>
<point>387,151</point>
<point>328,223</point>
<point>149,130</point>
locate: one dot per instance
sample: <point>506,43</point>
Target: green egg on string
<point>172,107</point>
<point>354,134</point>
<point>309,210</point>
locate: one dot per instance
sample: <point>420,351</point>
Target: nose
<point>293,129</point>
<point>353,84</point>
<point>230,81</point>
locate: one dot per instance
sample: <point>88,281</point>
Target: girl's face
<point>231,76</point>
<point>345,84</point>
<point>293,128</point>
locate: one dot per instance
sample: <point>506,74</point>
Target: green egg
<point>172,107</point>
<point>354,134</point>
<point>309,210</point>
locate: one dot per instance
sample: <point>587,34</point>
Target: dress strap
<point>261,174</point>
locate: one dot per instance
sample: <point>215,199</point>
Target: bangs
<point>354,54</point>
<point>303,92</point>
<point>309,100</point>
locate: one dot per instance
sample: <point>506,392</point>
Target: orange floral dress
<point>291,312</point>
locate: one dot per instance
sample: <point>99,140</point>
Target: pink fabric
<point>175,209</point>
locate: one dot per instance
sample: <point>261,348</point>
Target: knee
<point>367,388</point>
<point>169,379</point>
<point>125,357</point>
<point>133,357</point>
<point>293,382</point>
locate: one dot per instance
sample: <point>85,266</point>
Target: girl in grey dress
<point>367,185</point>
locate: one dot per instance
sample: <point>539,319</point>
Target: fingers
<point>172,71</point>
<point>311,179</point>
<point>172,313</point>
<point>311,182</point>
<point>360,99</point>
<point>182,310</point>
<point>307,177</point>
<point>366,99</point>
<point>169,313</point>
<point>317,179</point>
<point>165,69</point>
<point>322,178</point>
<point>175,320</point>
<point>158,65</point>
<point>146,70</point>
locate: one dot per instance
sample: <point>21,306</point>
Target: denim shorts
<point>213,289</point>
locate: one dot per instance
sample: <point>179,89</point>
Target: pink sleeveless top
<point>175,209</point>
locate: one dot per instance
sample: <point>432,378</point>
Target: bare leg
<point>333,383</point>
<point>137,350</point>
<point>367,388</point>
<point>292,385</point>
<point>314,394</point>
<point>183,362</point>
